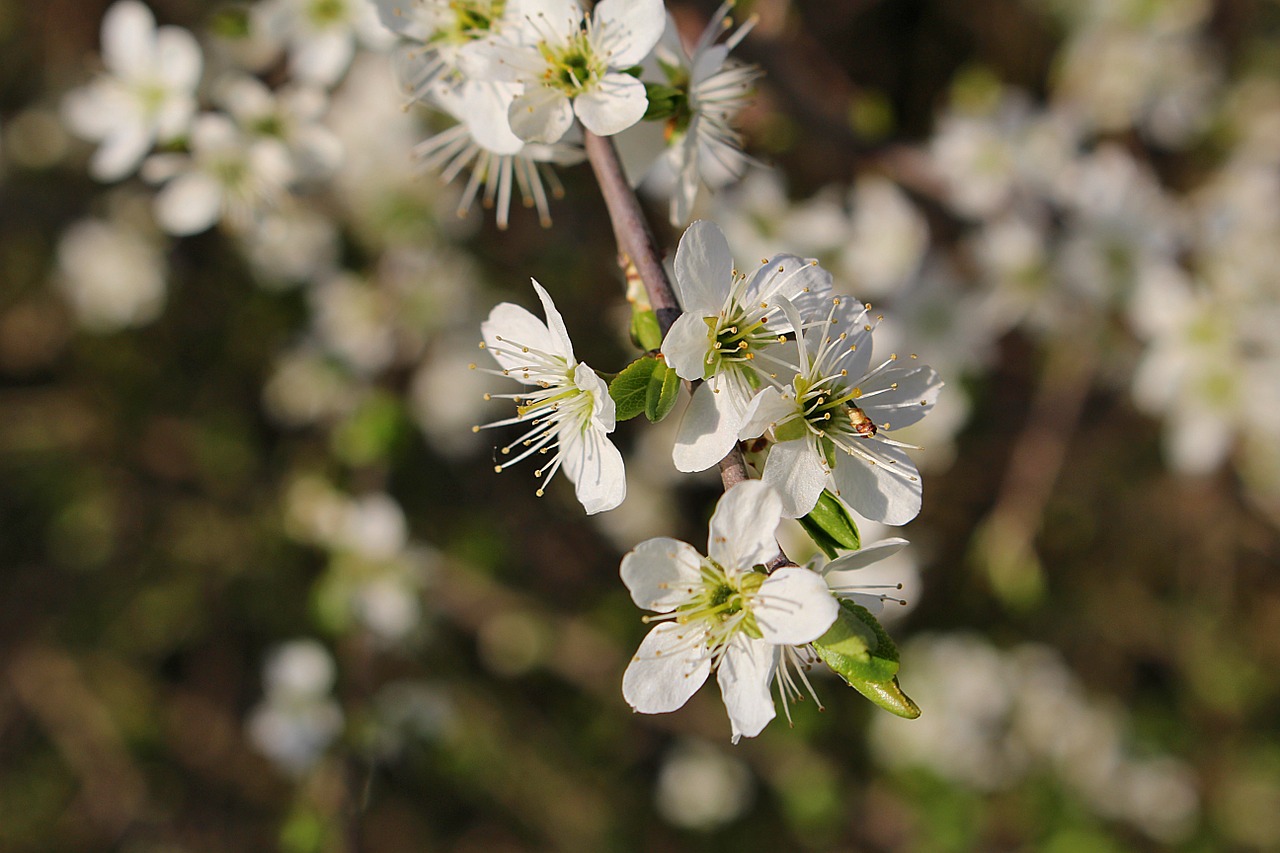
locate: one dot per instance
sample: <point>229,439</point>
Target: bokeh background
<point>260,588</point>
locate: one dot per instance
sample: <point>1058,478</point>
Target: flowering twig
<point>636,247</point>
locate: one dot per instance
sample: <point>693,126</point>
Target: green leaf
<point>664,386</point>
<point>645,331</point>
<point>830,526</point>
<point>859,650</point>
<point>630,388</point>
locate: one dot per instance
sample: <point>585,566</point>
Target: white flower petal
<point>702,438</point>
<point>563,17</point>
<point>795,469</point>
<point>882,492</point>
<point>794,606</point>
<point>661,573</point>
<point>189,204</point>
<point>179,59</point>
<point>540,114</point>
<point>515,325</point>
<point>913,398</point>
<point>642,22</point>
<point>555,324</point>
<point>800,280</point>
<point>704,269</point>
<point>120,152</point>
<point>128,39</point>
<point>594,466</point>
<point>745,674</point>
<point>669,667</point>
<point>613,105</point>
<point>743,526</point>
<point>768,407</point>
<point>686,344</point>
<point>840,569</point>
<point>324,56</point>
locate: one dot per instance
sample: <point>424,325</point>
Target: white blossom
<point>719,613</point>
<point>567,407</point>
<point>147,94</point>
<point>730,323</point>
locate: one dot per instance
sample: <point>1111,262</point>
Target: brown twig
<point>636,247</point>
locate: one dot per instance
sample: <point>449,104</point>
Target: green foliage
<point>831,527</point>
<point>859,650</point>
<point>647,385</point>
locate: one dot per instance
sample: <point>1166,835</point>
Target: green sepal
<point>830,526</point>
<point>664,101</point>
<point>645,331</point>
<point>634,70</point>
<point>664,386</point>
<point>859,650</point>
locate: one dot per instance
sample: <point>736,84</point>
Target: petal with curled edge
<point>704,269</point>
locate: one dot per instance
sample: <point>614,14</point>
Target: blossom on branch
<point>568,409</point>
<point>730,327</point>
<point>720,613</point>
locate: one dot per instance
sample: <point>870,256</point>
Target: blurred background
<point>260,588</point>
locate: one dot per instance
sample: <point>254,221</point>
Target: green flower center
<point>573,68</point>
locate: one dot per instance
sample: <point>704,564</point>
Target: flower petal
<point>704,269</point>
<point>743,526</point>
<point>888,491</point>
<point>613,105</point>
<point>686,344</point>
<point>594,466</point>
<point>906,395</point>
<point>839,568</point>
<point>179,59</point>
<point>794,606</point>
<point>661,573</point>
<point>121,152</point>
<point>669,667</point>
<point>540,114</point>
<point>801,280</point>
<point>796,470</point>
<point>128,39</point>
<point>703,438</point>
<point>563,17</point>
<point>745,674</point>
<point>513,325</point>
<point>555,324</point>
<point>189,204</point>
<point>638,24</point>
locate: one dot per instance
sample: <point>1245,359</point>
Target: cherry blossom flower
<point>568,64</point>
<point>718,613</point>
<point>730,323</point>
<point>830,422</point>
<point>527,167</point>
<point>147,94</point>
<point>228,176</point>
<point>568,409</point>
<point>699,145</point>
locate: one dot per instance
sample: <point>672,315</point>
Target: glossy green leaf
<point>664,387</point>
<point>630,388</point>
<point>831,527</point>
<point>859,650</point>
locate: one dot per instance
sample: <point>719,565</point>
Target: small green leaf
<point>830,526</point>
<point>889,696</point>
<point>645,331</point>
<point>664,385</point>
<point>859,650</point>
<point>630,388</point>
